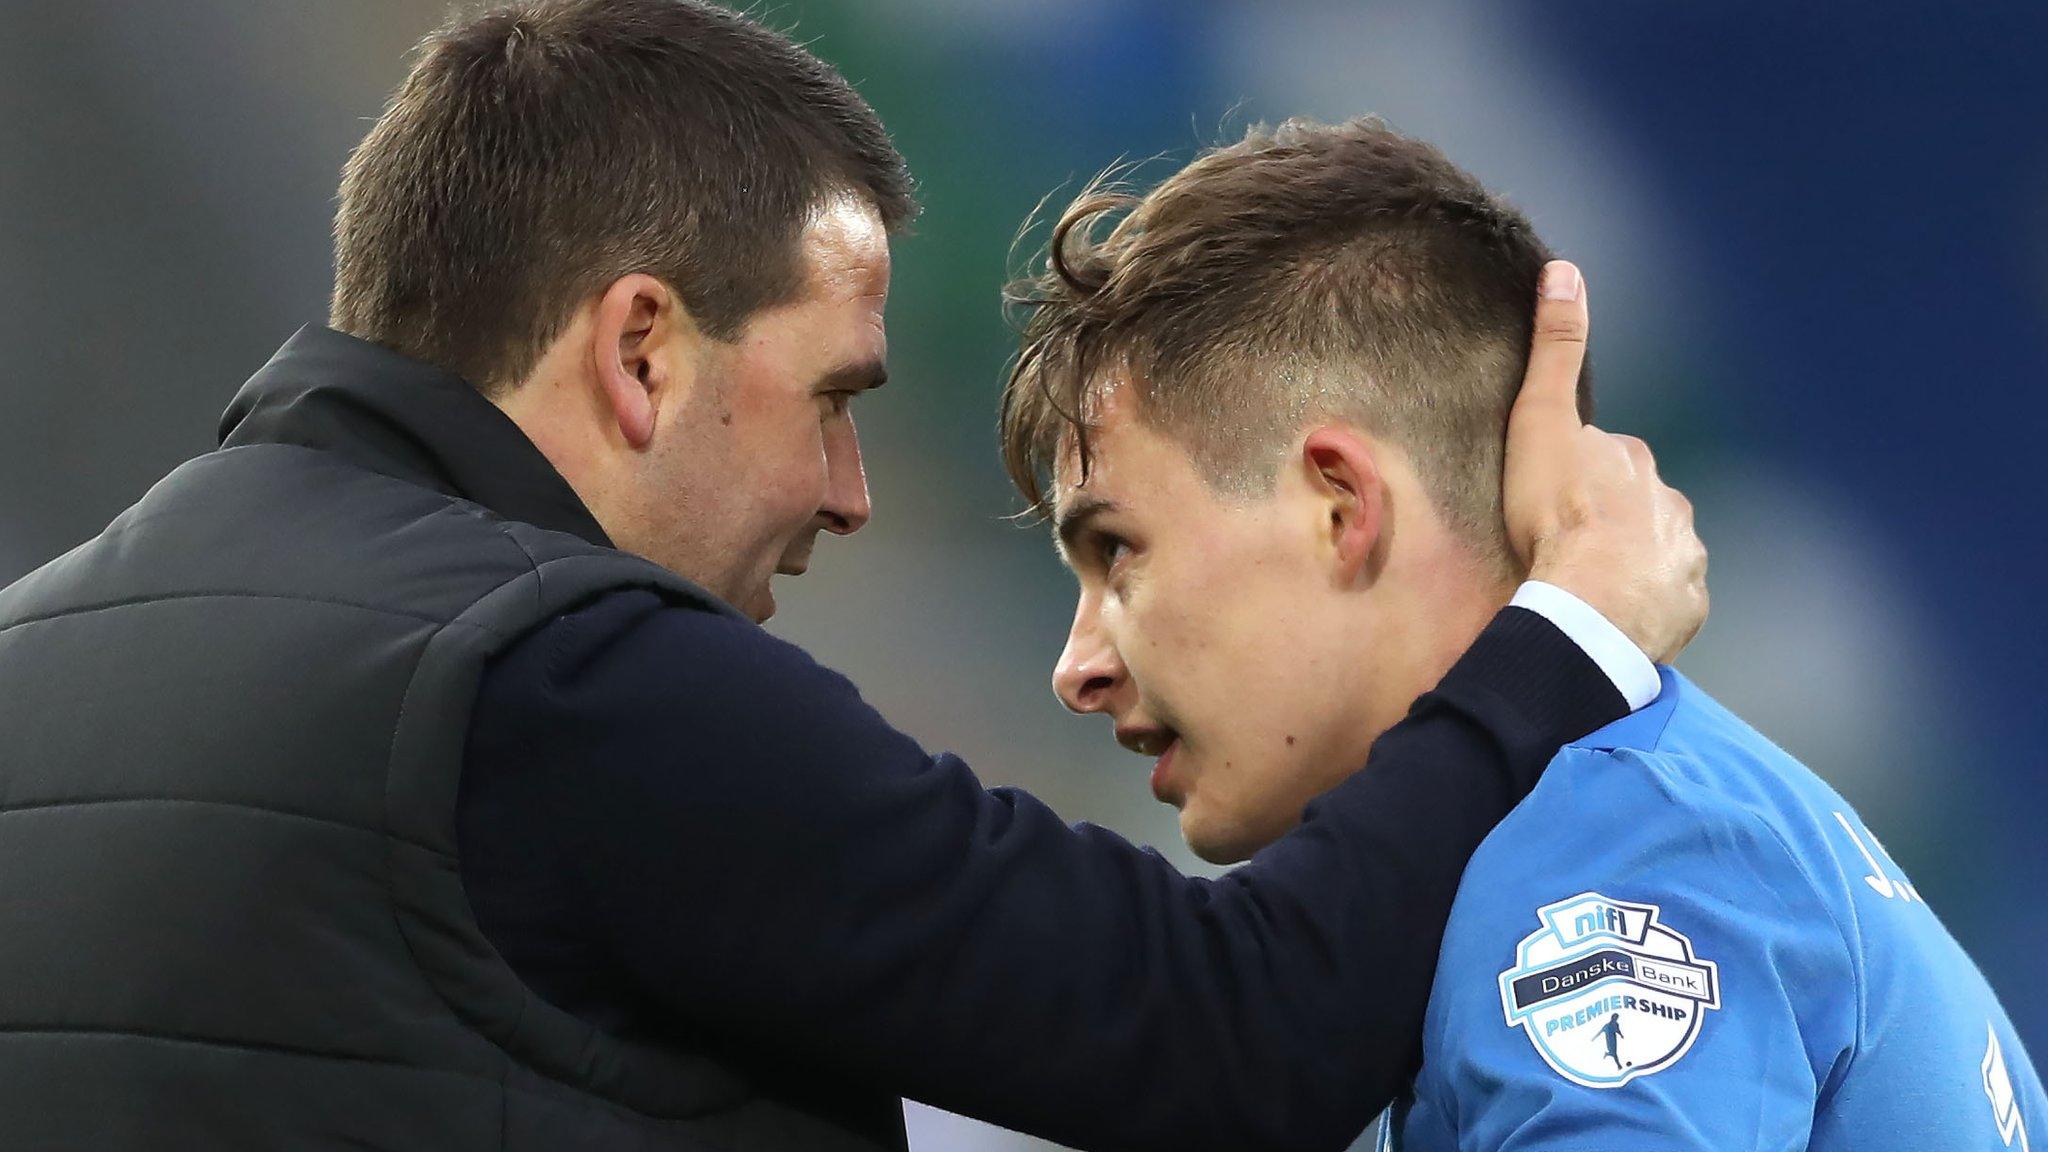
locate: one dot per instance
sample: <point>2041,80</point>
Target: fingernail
<point>1560,281</point>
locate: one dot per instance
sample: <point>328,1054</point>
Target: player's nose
<point>1089,671</point>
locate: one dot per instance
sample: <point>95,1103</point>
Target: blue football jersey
<point>1683,939</point>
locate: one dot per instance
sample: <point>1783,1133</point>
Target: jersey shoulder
<point>1667,871</point>
<point>1679,915</point>
<point>1686,769</point>
<point>1679,801</point>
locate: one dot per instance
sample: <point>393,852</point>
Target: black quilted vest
<point>231,731</point>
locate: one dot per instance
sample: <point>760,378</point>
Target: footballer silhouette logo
<point>1606,991</point>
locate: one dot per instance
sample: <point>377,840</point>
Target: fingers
<point>1548,405</point>
<point>1639,454</point>
<point>1613,533</point>
<point>1689,567</point>
<point>1692,571</point>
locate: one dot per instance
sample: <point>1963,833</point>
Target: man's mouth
<point>1161,743</point>
<point>796,558</point>
<point>794,562</point>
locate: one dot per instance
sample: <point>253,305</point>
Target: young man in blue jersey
<point>1264,405</point>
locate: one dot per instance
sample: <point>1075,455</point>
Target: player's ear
<point>643,353</point>
<point>1350,496</point>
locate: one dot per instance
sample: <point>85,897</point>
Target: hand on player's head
<point>1585,508</point>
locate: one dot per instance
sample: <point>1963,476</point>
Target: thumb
<point>1544,425</point>
<point>1547,408</point>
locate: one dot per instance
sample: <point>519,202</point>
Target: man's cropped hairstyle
<point>539,151</point>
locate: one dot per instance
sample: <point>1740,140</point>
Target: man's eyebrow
<point>1068,522</point>
<point>855,376</point>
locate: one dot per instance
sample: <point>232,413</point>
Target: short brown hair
<point>539,151</point>
<point>1307,270</point>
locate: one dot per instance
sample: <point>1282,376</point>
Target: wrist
<point>1600,586</point>
<point>1621,658</point>
<point>1525,662</point>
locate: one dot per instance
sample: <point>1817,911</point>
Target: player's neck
<point>1431,606</point>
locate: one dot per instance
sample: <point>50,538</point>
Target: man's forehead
<point>845,253</point>
<point>847,250</point>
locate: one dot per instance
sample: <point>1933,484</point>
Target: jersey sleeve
<point>1635,963</point>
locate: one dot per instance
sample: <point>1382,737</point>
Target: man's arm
<point>823,887</point>
<point>779,867</point>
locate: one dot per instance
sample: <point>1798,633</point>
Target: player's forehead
<point>1074,483</point>
<point>1089,466</point>
<point>1137,476</point>
<point>1077,501</point>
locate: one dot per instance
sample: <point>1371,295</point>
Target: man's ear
<point>1342,473</point>
<point>637,345</point>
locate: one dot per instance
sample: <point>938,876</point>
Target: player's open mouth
<point>1159,742</point>
<point>1164,787</point>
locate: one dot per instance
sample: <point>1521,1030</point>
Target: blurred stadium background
<point>1815,241</point>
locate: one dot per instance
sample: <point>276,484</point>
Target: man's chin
<point>760,606</point>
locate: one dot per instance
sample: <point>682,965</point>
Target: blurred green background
<point>1814,243</point>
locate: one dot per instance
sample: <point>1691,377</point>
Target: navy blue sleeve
<point>779,868</point>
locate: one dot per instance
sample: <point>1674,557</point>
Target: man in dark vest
<point>412,772</point>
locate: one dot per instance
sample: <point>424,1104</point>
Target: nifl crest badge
<point>1605,992</point>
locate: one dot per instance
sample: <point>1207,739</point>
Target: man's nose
<point>846,482</point>
<point>1089,671</point>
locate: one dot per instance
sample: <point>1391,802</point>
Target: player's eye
<point>1110,550</point>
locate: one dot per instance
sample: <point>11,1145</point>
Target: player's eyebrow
<point>1069,522</point>
<point>855,376</point>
